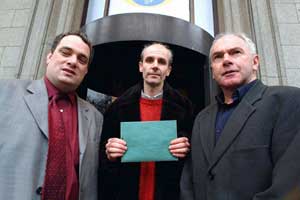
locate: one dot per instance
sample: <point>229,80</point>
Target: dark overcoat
<point>121,180</point>
<point>257,154</point>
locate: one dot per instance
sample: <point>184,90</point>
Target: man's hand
<point>115,148</point>
<point>179,147</point>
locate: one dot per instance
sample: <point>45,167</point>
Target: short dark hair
<point>161,44</point>
<point>80,34</point>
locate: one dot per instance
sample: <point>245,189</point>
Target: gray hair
<point>243,36</point>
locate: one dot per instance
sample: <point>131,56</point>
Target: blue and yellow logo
<point>147,2</point>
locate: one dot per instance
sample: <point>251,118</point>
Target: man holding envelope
<point>151,100</point>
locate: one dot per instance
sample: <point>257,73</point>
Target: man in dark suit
<point>49,137</point>
<point>246,144</point>
<point>152,99</point>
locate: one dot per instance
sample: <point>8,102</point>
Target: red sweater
<point>150,110</point>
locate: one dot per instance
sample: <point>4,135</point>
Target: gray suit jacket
<point>257,155</point>
<point>24,141</point>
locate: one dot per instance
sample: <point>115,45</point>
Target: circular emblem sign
<point>148,2</point>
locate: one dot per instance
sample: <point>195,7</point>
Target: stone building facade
<point>28,26</point>
<point>275,27</point>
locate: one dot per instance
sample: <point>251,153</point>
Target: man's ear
<point>255,63</point>
<point>49,55</point>
<point>212,73</point>
<point>141,66</point>
<point>169,70</point>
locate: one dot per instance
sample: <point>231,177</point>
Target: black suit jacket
<point>121,180</point>
<point>257,155</point>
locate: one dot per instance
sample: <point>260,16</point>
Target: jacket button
<point>39,190</point>
<point>211,176</point>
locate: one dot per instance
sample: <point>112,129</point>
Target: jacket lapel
<point>207,130</point>
<point>232,130</point>
<point>84,119</point>
<point>236,122</point>
<point>37,102</point>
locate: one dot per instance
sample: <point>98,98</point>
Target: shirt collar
<point>237,95</point>
<point>146,96</point>
<point>52,91</point>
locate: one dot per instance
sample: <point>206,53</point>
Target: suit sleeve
<point>186,182</point>
<point>286,175</point>
<point>285,153</point>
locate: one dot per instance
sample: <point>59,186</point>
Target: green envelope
<point>148,141</point>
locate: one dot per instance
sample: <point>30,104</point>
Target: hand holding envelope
<point>153,141</point>
<point>115,148</point>
<point>148,141</point>
<point>179,147</point>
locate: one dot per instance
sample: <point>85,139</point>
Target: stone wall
<point>288,21</point>
<point>27,28</point>
<point>15,17</point>
<point>274,25</point>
